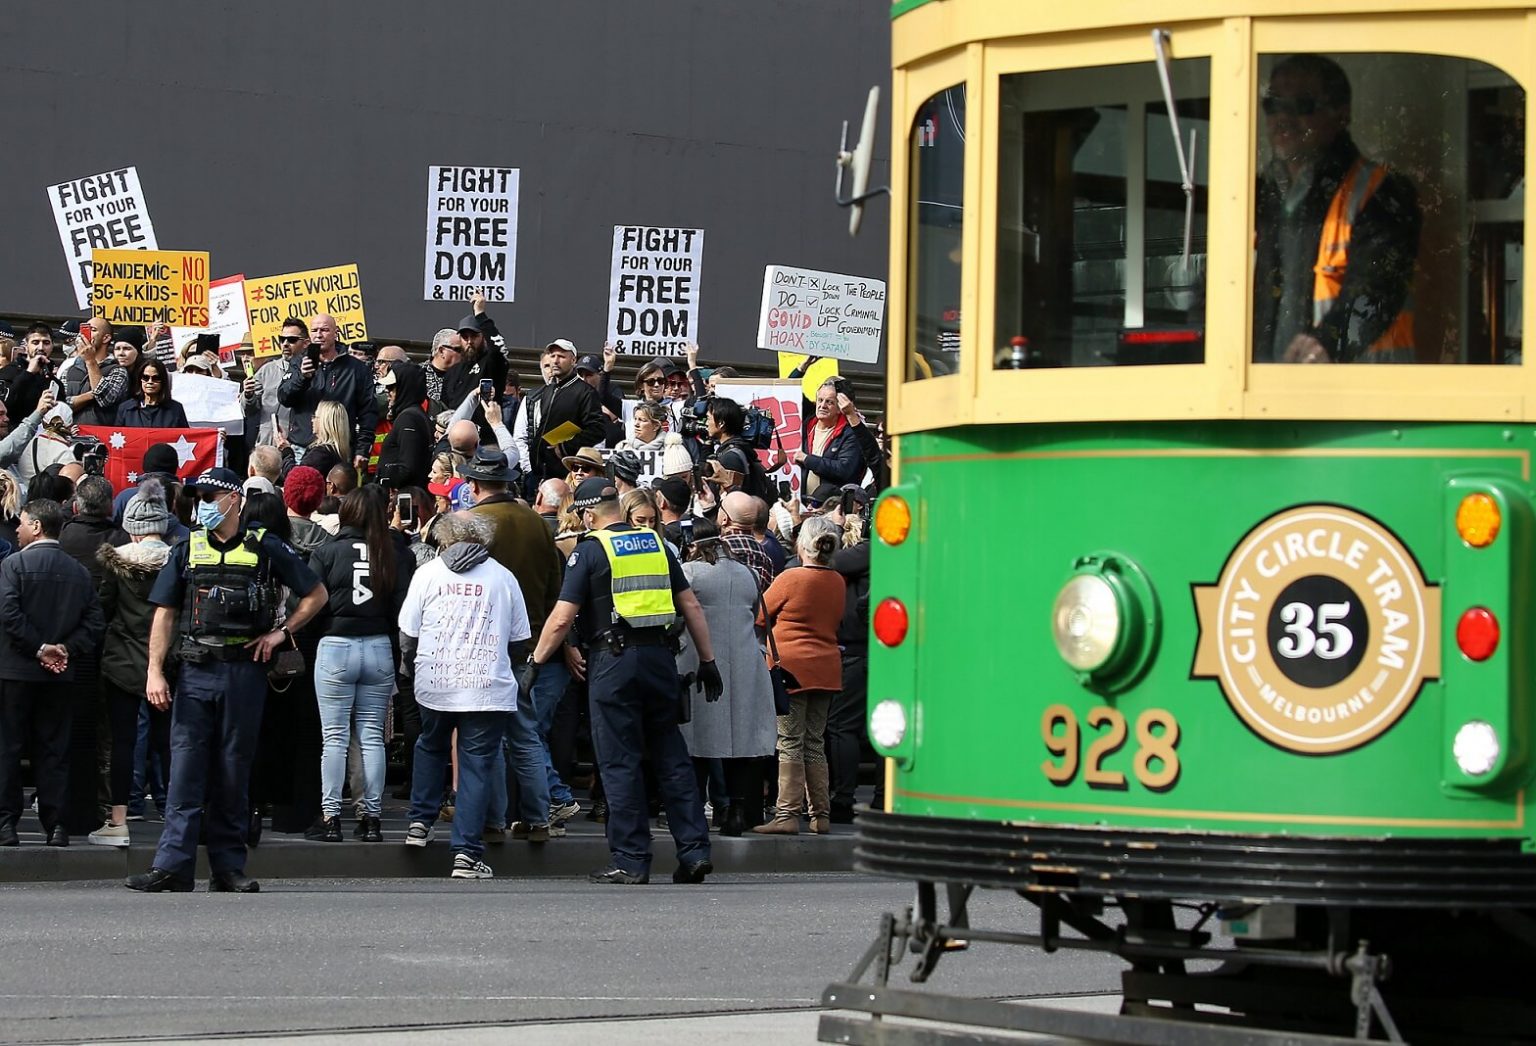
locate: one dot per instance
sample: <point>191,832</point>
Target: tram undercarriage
<point>1340,972</point>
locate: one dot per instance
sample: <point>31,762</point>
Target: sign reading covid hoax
<point>653,299</point>
<point>337,291</point>
<point>821,314</point>
<point>471,233</point>
<point>103,212</point>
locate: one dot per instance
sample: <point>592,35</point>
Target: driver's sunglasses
<point>1301,105</point>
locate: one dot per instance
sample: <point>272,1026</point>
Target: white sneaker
<point>467,867</point>
<point>561,812</point>
<point>419,834</point>
<point>109,834</point>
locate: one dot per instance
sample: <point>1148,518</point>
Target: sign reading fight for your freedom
<point>653,299</point>
<point>103,212</point>
<point>471,233</point>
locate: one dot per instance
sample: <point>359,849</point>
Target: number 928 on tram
<point>1202,602</point>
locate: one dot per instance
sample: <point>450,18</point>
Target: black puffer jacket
<point>128,573</point>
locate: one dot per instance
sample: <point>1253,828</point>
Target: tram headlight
<point>1476,748</point>
<point>1085,622</point>
<point>888,724</point>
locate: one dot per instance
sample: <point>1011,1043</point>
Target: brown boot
<point>786,816</point>
<point>816,793</point>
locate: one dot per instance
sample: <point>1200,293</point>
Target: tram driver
<point>1337,233</point>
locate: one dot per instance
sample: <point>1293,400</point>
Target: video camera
<point>757,429</point>
<point>91,453</point>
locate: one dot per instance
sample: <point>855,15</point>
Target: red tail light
<point>1477,633</point>
<point>890,622</point>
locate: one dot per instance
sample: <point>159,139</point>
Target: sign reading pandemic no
<point>653,302</point>
<point>102,212</point>
<point>471,232</point>
<point>821,314</point>
<point>305,295</point>
<point>145,287</point>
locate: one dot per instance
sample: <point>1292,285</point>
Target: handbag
<point>782,678</point>
<point>285,666</point>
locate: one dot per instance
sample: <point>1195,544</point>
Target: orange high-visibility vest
<point>378,445</point>
<point>1362,181</point>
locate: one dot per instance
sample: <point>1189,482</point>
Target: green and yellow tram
<point>1206,579</point>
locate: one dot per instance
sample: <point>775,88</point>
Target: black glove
<point>710,681</point>
<point>527,674</point>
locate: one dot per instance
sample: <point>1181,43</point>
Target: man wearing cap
<point>219,593</point>
<point>563,401</point>
<point>623,589</point>
<point>590,370</point>
<point>523,544</point>
<point>338,376</point>
<point>483,357</point>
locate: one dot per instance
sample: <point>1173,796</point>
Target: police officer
<point>219,592</point>
<point>623,589</point>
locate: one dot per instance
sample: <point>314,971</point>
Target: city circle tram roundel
<point>1320,630</point>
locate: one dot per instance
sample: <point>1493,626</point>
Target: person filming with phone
<point>326,372</point>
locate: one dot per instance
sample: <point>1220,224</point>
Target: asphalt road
<point>96,961</point>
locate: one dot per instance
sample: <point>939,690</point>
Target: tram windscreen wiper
<point>1160,40</point>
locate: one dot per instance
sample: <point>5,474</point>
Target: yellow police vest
<point>642,580</point>
<point>213,576</point>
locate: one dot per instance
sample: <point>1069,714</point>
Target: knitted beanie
<point>146,513</point>
<point>675,460</point>
<point>303,489</point>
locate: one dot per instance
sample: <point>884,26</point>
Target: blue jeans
<point>548,690</point>
<point>529,763</point>
<point>354,677</point>
<point>480,734</point>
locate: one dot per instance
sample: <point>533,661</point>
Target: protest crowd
<point>639,605</point>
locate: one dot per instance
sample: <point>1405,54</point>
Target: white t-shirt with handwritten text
<point>463,623</point>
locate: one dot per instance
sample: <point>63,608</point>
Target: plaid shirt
<point>745,549</point>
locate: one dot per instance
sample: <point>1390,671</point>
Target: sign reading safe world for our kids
<point>146,287</point>
<point>471,233</point>
<point>821,314</point>
<point>102,212</point>
<point>336,291</point>
<point>653,299</point>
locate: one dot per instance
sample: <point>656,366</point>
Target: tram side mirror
<point>857,162</point>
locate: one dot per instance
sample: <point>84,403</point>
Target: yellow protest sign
<point>145,287</point>
<point>811,380</point>
<point>335,291</point>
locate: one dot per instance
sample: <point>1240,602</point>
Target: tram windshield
<point>1092,265</point>
<point>1389,210</point>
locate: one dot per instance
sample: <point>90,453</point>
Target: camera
<point>91,453</point>
<point>757,428</point>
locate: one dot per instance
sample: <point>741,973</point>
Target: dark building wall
<point>281,136</point>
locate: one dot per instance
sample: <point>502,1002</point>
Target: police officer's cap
<point>591,491</point>
<point>216,479</point>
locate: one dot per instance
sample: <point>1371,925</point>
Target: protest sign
<point>650,463</point>
<point>821,314</point>
<point>336,291</point>
<point>210,402</point>
<point>226,317</point>
<point>147,287</point>
<point>812,375</point>
<point>653,299</point>
<point>471,233</point>
<point>781,401</point>
<point>102,212</point>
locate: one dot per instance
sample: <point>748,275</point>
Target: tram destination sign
<point>821,314</point>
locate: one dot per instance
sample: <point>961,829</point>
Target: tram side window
<point>936,220</point>
<point>1101,254</point>
<point>1389,210</point>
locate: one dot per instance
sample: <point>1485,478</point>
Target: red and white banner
<point>196,451</point>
